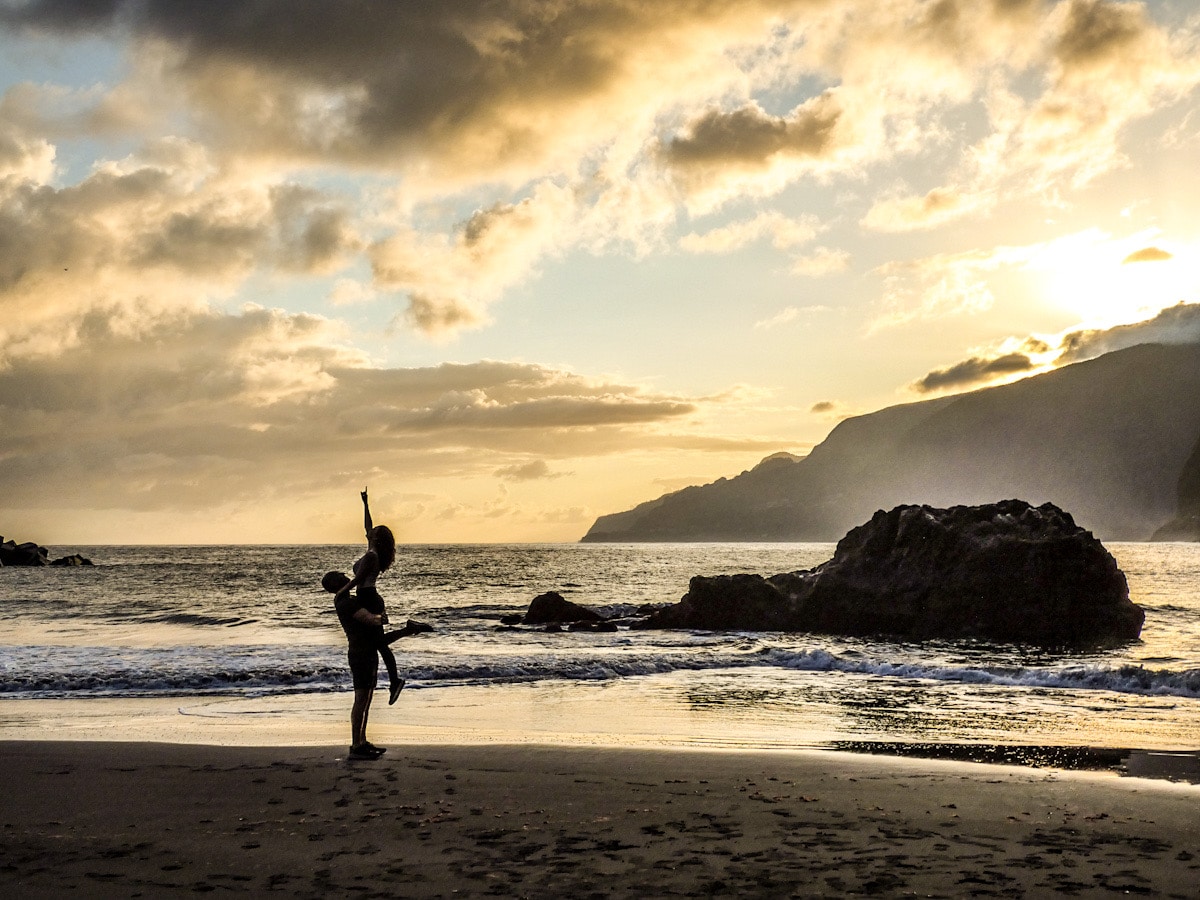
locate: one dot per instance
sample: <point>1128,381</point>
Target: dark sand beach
<point>151,820</point>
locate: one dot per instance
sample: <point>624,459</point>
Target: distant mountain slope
<point>1105,439</point>
<point>1186,524</point>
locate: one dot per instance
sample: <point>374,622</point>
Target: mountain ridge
<point>1106,439</point>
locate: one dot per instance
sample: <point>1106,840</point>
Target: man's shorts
<point>364,667</point>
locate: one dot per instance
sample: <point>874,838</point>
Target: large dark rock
<point>30,554</point>
<point>551,607</point>
<point>1004,571</point>
<point>27,554</point>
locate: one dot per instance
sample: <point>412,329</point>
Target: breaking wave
<point>56,672</point>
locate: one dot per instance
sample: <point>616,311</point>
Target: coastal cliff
<point>1107,438</point>
<point>1186,524</point>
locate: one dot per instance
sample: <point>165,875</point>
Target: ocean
<point>251,623</point>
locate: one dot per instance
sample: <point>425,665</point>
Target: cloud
<point>482,98</point>
<point>583,125</point>
<point>1103,66</point>
<point>1148,254</point>
<point>1100,35</point>
<point>199,409</point>
<point>832,410</point>
<point>24,156</point>
<point>154,232</point>
<point>535,470</point>
<point>783,232</point>
<point>789,314</point>
<point>820,262</point>
<point>348,292</point>
<point>749,139</point>
<point>948,284</point>
<point>974,371</point>
<point>1179,324</point>
<point>911,213</point>
<point>452,280</point>
<point>1085,269</point>
<point>469,90</point>
<point>571,515</point>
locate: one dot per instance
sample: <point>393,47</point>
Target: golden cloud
<point>191,409</point>
<point>1179,324</point>
<point>1148,254</point>
<point>576,125</point>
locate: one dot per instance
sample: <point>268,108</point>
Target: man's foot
<point>397,687</point>
<point>364,751</point>
<point>378,751</point>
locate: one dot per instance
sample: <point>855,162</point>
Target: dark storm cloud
<point>1098,31</point>
<point>751,137</point>
<point>200,242</point>
<point>315,233</point>
<point>1014,7</point>
<point>66,16</point>
<point>976,370</point>
<point>474,82</point>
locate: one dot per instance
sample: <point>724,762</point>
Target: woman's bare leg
<point>395,682</point>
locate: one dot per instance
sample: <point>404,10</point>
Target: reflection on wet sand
<point>1183,766</point>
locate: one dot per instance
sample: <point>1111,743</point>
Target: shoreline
<point>129,818</point>
<point>541,715</point>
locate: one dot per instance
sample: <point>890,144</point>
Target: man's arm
<point>368,618</point>
<point>362,615</point>
<point>366,567</point>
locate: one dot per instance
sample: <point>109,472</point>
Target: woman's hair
<point>384,543</point>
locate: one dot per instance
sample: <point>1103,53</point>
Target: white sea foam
<point>95,671</point>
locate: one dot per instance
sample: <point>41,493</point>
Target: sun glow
<point>1109,281</point>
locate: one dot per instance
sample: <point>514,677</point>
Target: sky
<point>514,264</point>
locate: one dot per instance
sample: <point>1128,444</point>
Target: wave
<point>194,619</point>
<point>1126,679</point>
<point>55,672</point>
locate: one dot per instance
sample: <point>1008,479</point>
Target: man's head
<point>334,581</point>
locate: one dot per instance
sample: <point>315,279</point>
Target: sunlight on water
<point>233,626</point>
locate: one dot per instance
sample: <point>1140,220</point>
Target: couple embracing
<point>362,615</point>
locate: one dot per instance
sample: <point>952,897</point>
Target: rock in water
<point>1004,571</point>
<point>552,607</point>
<point>27,554</point>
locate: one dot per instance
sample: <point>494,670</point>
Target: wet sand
<point>146,819</point>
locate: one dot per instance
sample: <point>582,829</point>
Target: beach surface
<point>157,819</point>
